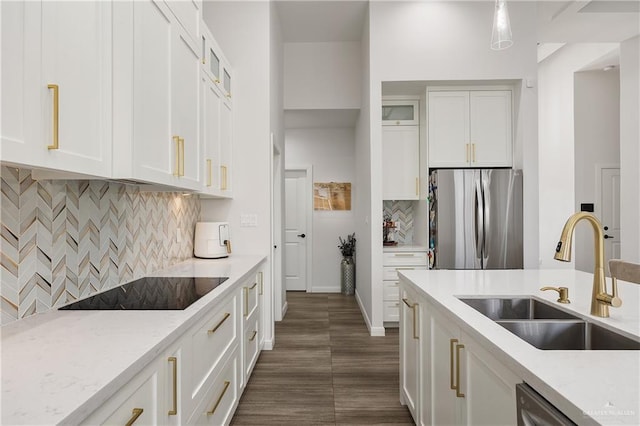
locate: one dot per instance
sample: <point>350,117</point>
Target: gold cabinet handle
<point>176,171</point>
<point>214,329</point>
<point>181,156</point>
<point>246,301</point>
<point>413,309</point>
<point>405,269</point>
<point>452,344</point>
<point>56,111</point>
<point>137,412</point>
<point>404,254</point>
<point>473,152</point>
<point>253,336</point>
<point>260,278</point>
<point>228,95</point>
<point>224,390</point>
<point>253,286</point>
<point>466,152</point>
<point>417,186</point>
<point>209,179</point>
<point>458,393</point>
<point>223,170</point>
<point>174,361</point>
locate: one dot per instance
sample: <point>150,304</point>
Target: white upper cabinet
<point>56,80</point>
<point>400,113</point>
<point>159,137</point>
<point>400,163</point>
<point>187,12</point>
<point>470,128</point>
<point>210,125</point>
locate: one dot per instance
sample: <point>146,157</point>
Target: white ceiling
<point>559,22</point>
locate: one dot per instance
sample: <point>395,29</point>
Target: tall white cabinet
<point>471,128</point>
<point>400,149</point>
<point>57,85</point>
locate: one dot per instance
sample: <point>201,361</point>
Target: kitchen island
<point>59,367</point>
<point>589,387</point>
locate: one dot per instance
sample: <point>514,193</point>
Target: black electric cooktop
<point>150,293</point>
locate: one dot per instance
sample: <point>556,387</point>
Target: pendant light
<point>501,34</point>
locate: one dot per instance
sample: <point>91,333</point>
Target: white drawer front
<point>390,291</point>
<point>391,273</point>
<point>409,258</point>
<point>219,402</point>
<point>211,340</point>
<point>391,311</point>
<point>251,340</point>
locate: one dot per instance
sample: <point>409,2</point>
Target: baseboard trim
<point>268,345</point>
<point>325,290</point>
<point>373,331</point>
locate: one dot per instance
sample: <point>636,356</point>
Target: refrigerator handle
<point>486,200</point>
<point>479,222</point>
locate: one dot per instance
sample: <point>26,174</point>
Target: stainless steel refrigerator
<point>475,218</point>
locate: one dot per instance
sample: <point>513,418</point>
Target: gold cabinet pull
<point>413,309</point>
<point>473,152</point>
<point>452,344</point>
<point>176,171</point>
<point>174,361</point>
<point>223,171</point>
<point>56,112</point>
<point>246,301</point>
<point>181,156</point>
<point>466,152</point>
<point>253,336</point>
<point>137,412</point>
<point>224,390</point>
<point>260,278</point>
<point>404,255</point>
<point>458,393</point>
<point>405,269</point>
<point>214,329</point>
<point>417,186</point>
<point>209,179</point>
<point>253,286</point>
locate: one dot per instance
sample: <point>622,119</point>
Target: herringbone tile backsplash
<point>401,212</point>
<point>64,240</point>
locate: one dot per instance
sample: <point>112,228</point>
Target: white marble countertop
<point>590,387</point>
<point>59,366</point>
<point>404,247</point>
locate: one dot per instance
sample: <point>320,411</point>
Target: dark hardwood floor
<point>324,369</point>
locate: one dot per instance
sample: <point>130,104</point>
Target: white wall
<point>597,141</point>
<point>322,75</point>
<point>556,141</point>
<point>331,152</point>
<point>362,200</point>
<point>276,113</point>
<point>449,41</point>
<point>630,149</point>
<point>243,31</point>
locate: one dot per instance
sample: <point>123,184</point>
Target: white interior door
<point>610,212</point>
<point>296,230</point>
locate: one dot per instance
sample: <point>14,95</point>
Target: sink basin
<point>568,335</point>
<point>547,327</point>
<point>525,308</point>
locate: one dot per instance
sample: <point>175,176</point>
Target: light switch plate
<point>248,220</point>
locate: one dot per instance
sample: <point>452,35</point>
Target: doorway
<point>608,195</point>
<point>298,225</point>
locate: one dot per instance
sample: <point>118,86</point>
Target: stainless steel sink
<point>547,327</point>
<point>568,335</point>
<point>498,308</point>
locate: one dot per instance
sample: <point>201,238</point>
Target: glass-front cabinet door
<point>400,113</point>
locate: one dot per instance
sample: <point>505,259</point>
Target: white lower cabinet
<point>392,263</point>
<point>198,379</point>
<point>446,376</point>
<point>137,402</point>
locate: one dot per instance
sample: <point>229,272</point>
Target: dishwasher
<point>534,410</point>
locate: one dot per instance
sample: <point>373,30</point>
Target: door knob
<point>301,235</point>
<point>606,237</point>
